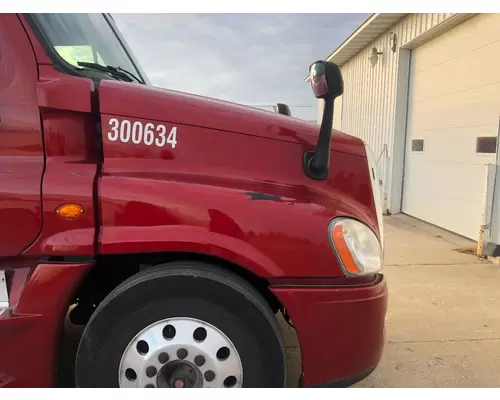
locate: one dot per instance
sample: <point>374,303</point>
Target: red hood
<point>146,102</point>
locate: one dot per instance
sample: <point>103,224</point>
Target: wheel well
<point>111,270</point>
<point>107,274</point>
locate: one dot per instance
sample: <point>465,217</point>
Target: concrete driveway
<point>443,323</point>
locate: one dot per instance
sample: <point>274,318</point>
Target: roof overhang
<point>367,32</point>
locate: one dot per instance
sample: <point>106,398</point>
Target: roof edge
<point>370,20</point>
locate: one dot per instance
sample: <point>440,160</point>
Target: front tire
<point>182,325</point>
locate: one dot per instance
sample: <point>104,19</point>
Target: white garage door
<point>453,123</point>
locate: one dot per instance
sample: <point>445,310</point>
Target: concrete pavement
<point>443,323</point>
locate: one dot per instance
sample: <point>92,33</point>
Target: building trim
<point>397,166</point>
<point>366,33</point>
<point>437,30</point>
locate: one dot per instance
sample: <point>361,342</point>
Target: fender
<point>192,239</point>
<point>274,230</point>
<point>37,323</point>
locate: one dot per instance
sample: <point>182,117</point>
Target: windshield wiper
<point>117,72</point>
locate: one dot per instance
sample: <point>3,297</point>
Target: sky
<point>253,59</point>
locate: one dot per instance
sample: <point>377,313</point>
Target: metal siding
<point>337,113</point>
<point>369,98</point>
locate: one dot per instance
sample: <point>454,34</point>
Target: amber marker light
<point>344,253</point>
<point>69,211</point>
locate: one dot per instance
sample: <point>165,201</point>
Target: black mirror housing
<point>326,79</point>
<point>327,84</point>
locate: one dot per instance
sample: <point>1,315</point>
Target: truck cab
<point>175,229</point>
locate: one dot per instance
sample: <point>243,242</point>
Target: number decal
<point>113,134</point>
<point>149,135</point>
<point>161,130</point>
<point>172,137</point>
<point>125,131</point>
<point>138,133</point>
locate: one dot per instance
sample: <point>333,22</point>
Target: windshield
<point>87,38</point>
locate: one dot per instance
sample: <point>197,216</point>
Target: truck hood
<point>147,102</point>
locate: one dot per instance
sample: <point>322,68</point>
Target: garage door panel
<point>454,146</point>
<point>452,101</point>
<point>478,111</point>
<point>481,31</point>
<point>430,185</point>
<point>457,75</point>
<point>433,176</point>
<point>472,96</point>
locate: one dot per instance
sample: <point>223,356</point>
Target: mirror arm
<point>317,163</point>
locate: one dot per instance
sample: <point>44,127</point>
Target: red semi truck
<point>176,228</point>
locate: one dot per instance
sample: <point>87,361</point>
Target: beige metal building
<point>423,90</point>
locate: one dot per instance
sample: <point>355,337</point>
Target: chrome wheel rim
<point>180,353</point>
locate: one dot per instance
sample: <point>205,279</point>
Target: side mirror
<point>281,108</point>
<point>327,84</point>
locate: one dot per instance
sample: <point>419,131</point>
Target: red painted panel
<point>152,103</point>
<point>63,92</point>
<point>69,173</point>
<point>340,330</point>
<point>21,148</point>
<point>41,56</point>
<point>240,197</point>
<point>29,339</point>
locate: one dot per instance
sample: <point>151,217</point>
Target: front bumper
<point>341,330</point>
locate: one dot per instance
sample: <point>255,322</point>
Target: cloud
<point>255,59</point>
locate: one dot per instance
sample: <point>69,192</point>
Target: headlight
<point>357,247</point>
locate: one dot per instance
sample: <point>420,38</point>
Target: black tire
<point>183,289</point>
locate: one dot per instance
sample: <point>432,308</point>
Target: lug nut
<point>163,358</point>
<point>150,371</point>
<point>182,354</point>
<point>199,361</point>
<point>209,376</point>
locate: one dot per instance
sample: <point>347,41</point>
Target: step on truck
<point>177,231</point>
